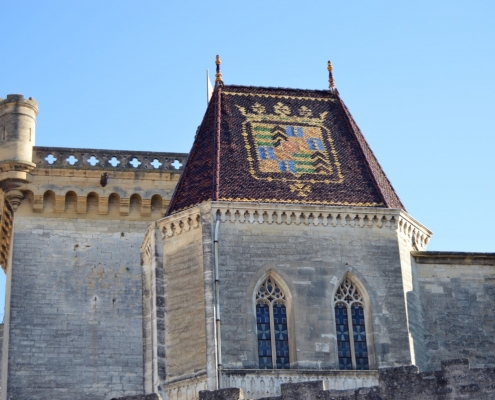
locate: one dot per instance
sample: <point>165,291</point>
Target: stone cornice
<point>353,217</point>
<point>183,221</point>
<point>326,216</point>
<point>453,257</point>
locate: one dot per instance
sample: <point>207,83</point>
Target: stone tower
<point>282,225</point>
<point>17,137</point>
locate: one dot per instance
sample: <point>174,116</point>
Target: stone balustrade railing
<point>266,383</point>
<point>60,157</point>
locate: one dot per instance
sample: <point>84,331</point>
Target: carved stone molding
<point>180,222</point>
<point>332,217</point>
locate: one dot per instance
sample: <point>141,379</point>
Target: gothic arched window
<point>272,327</point>
<point>349,317</point>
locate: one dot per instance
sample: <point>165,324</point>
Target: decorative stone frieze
<point>180,222</point>
<point>257,384</point>
<point>333,217</point>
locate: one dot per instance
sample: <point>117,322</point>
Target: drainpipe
<point>217,308</point>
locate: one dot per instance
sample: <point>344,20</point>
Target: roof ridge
<point>274,88</point>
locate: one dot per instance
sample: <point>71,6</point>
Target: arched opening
<point>351,322</point>
<point>48,201</point>
<point>92,203</point>
<point>156,205</point>
<point>71,202</point>
<point>135,204</point>
<point>272,303</point>
<point>114,204</point>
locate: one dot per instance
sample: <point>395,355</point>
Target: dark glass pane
<point>343,340</point>
<point>264,336</point>
<point>345,363</point>
<point>281,335</point>
<point>359,335</point>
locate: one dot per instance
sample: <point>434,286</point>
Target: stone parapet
<point>257,384</point>
<point>113,184</point>
<point>454,381</point>
<point>60,157</point>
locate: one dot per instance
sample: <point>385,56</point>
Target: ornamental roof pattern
<point>277,145</point>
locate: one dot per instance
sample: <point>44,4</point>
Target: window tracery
<point>272,327</point>
<point>352,348</point>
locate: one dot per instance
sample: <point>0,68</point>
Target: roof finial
<point>331,81</point>
<point>218,75</point>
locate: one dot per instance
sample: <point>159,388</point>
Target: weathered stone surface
<point>457,294</point>
<point>301,391</point>
<point>153,396</point>
<point>222,394</point>
<point>76,309</point>
<point>311,260</point>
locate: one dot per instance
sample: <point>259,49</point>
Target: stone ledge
<point>453,257</point>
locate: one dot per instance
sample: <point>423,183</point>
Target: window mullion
<point>351,336</point>
<point>272,337</point>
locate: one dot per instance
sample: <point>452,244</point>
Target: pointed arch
<point>274,333</point>
<point>353,324</point>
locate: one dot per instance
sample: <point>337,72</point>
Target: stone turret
<point>17,135</point>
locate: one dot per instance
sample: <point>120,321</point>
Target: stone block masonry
<point>76,309</point>
<point>457,293</point>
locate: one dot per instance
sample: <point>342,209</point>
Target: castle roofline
<point>281,145</point>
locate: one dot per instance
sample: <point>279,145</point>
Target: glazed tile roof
<point>277,145</point>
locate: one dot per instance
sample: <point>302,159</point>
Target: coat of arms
<point>297,149</point>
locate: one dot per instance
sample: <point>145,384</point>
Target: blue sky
<point>417,76</point>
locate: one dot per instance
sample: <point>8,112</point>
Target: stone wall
<point>311,257</point>
<point>454,381</point>
<point>76,309</point>
<point>457,292</point>
<point>185,333</point>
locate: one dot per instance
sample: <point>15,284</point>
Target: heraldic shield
<point>293,147</point>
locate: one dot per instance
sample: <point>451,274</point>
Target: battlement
<point>19,98</point>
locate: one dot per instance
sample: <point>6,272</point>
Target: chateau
<point>275,251</point>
